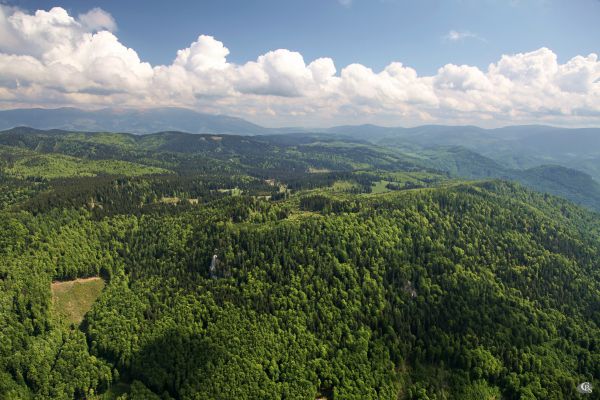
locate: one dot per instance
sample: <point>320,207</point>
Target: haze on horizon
<point>455,62</point>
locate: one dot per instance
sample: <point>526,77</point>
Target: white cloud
<point>345,3</point>
<point>97,19</point>
<point>68,55</point>
<point>280,72</point>
<point>456,36</point>
<point>463,78</point>
<point>49,58</point>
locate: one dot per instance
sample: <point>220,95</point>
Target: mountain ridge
<point>515,147</point>
<point>137,121</point>
<point>9,118</point>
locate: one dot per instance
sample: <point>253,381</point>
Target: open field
<point>72,299</point>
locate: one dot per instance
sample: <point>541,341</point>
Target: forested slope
<point>291,159</point>
<point>467,291</point>
<point>458,161</point>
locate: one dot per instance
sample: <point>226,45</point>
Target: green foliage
<point>479,390</point>
<point>571,184</point>
<point>51,166</point>
<point>380,187</point>
<point>453,290</point>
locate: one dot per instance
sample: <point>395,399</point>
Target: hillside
<point>460,162</point>
<point>66,154</point>
<point>186,153</point>
<point>571,184</point>
<point>465,290</point>
<point>23,163</point>
<point>343,270</point>
<point>516,147</point>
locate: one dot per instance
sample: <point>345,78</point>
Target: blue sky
<point>370,32</point>
<point>310,62</point>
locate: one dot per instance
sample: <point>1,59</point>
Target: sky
<point>310,62</point>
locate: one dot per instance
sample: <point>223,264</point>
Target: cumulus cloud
<point>97,19</point>
<point>49,58</point>
<point>53,50</point>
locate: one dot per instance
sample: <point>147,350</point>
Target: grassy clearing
<point>72,299</point>
<point>177,200</point>
<point>170,200</point>
<point>233,192</point>
<point>379,187</point>
<point>345,186</point>
<point>312,170</point>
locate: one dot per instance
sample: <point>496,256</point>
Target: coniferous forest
<point>285,267</point>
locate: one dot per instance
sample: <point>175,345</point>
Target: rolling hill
<point>58,153</point>
<point>289,266</point>
<point>461,162</point>
<point>517,147</point>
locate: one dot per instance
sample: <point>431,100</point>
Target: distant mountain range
<point>127,120</point>
<point>513,147</point>
<point>518,147</point>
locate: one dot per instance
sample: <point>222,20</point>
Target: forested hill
<point>469,291</point>
<point>297,267</point>
<point>516,147</point>
<point>180,151</point>
<point>31,153</point>
<point>568,183</point>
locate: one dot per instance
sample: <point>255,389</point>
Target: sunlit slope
<point>461,291</point>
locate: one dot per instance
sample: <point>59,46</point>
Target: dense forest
<point>286,267</point>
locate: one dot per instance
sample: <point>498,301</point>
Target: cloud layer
<point>51,58</point>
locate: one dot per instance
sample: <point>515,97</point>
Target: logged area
<point>72,299</point>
